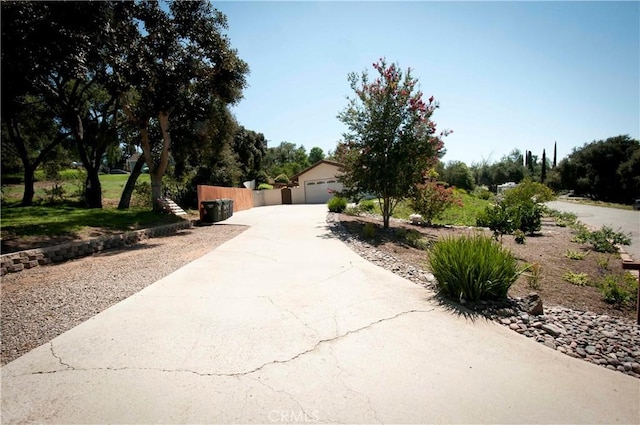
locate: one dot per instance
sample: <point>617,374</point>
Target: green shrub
<point>602,261</point>
<point>483,193</point>
<point>603,240</point>
<point>581,232</point>
<point>533,273</point>
<point>519,237</point>
<point>432,199</point>
<point>504,218</point>
<point>562,219</point>
<point>415,239</point>
<point>367,205</point>
<point>575,255</point>
<point>529,217</point>
<point>472,268</point>
<point>528,191</point>
<point>499,219</point>
<point>619,289</point>
<point>141,196</point>
<point>369,230</point>
<point>55,193</point>
<point>337,204</point>
<point>579,279</point>
<point>353,210</point>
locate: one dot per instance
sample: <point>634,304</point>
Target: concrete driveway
<point>285,324</point>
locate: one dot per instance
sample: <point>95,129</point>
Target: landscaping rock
<point>552,329</point>
<point>533,304</point>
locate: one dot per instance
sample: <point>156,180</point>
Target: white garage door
<point>317,191</point>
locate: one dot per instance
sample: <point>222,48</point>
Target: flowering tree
<point>391,140</point>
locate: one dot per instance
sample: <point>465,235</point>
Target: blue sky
<point>507,74</point>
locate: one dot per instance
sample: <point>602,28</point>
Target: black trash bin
<point>213,211</point>
<point>227,208</point>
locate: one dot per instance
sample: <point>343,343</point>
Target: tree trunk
<point>385,212</point>
<point>27,196</point>
<point>156,191</point>
<point>93,190</point>
<point>29,169</point>
<point>125,198</point>
<point>156,171</point>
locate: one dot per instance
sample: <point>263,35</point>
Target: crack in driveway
<point>53,353</point>
<point>234,374</point>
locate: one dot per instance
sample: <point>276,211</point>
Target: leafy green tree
<point>51,55</point>
<point>30,138</point>
<point>603,170</point>
<point>629,172</point>
<point>179,58</point>
<point>457,174</point>
<point>528,190</point>
<point>210,158</point>
<point>510,168</point>
<point>315,154</point>
<point>250,148</point>
<point>391,140</point>
<point>286,158</point>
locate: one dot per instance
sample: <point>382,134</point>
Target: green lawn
<point>113,184</point>
<point>72,182</point>
<point>67,220</point>
<point>465,215</point>
<point>64,218</point>
<point>455,215</point>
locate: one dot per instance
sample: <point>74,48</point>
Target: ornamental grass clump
<point>337,204</point>
<point>473,268</point>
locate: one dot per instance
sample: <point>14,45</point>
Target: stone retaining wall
<point>18,261</point>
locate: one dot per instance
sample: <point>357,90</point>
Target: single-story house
<point>319,181</point>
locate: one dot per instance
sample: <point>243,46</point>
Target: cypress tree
<point>543,173</point>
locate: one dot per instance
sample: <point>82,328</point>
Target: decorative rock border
<point>18,261</point>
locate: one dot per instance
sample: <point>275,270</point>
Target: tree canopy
<point>99,73</point>
<point>605,170</point>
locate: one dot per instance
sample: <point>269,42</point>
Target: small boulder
<point>532,304</point>
<point>416,219</point>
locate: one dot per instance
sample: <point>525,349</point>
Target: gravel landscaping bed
<point>611,342</point>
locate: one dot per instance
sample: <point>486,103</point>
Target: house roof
<point>322,161</point>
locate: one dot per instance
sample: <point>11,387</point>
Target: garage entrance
<point>320,191</point>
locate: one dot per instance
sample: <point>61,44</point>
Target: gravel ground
<point>41,303</point>
<point>611,342</point>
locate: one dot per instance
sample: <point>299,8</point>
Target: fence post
<point>630,265</point>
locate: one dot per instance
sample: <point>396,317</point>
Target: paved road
<point>285,324</point>
<point>627,221</point>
